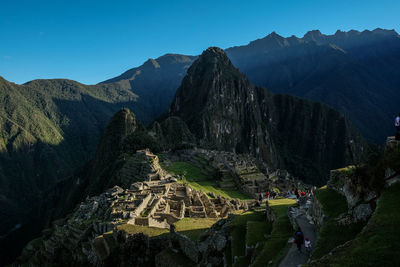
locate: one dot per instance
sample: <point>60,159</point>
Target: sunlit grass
<point>193,176</point>
<point>194,227</point>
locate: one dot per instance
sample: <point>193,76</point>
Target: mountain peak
<point>339,32</point>
<point>381,31</point>
<point>212,56</point>
<point>152,63</point>
<point>213,52</point>
<point>274,35</point>
<point>312,34</point>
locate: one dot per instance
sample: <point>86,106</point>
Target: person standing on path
<point>397,125</point>
<point>299,239</point>
<point>307,245</point>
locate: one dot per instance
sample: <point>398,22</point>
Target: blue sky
<point>91,41</point>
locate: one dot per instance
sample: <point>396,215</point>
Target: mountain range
<point>49,128</point>
<point>357,73</point>
<point>215,108</point>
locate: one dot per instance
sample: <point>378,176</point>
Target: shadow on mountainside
<point>35,179</point>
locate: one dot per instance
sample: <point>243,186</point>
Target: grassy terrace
<point>379,243</point>
<point>194,227</point>
<point>191,227</point>
<point>276,246</point>
<point>240,230</point>
<point>198,181</point>
<point>331,234</point>
<point>149,231</point>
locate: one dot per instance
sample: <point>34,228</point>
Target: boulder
<point>362,212</point>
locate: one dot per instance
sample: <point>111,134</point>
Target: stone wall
<point>317,215</point>
<point>159,224</point>
<point>142,205</point>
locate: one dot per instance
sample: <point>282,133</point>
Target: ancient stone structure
<point>88,234</point>
<point>241,171</point>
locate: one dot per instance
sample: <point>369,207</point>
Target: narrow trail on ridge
<point>294,257</point>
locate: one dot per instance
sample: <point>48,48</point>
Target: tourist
<point>299,239</point>
<point>397,125</point>
<point>307,244</point>
<point>260,198</point>
<point>267,195</point>
<point>297,193</point>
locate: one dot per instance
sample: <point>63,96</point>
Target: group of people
<point>268,195</point>
<point>299,240</point>
<point>300,193</point>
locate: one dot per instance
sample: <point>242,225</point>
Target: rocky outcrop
<point>361,199</point>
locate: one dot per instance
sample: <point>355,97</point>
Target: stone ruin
<point>158,201</point>
<point>240,171</point>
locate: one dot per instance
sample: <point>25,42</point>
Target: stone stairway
<point>227,181</point>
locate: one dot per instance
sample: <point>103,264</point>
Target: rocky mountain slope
<point>354,72</point>
<point>155,82</point>
<point>226,112</point>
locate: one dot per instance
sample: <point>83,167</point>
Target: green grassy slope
<point>331,234</point>
<point>378,244</point>
<point>194,177</point>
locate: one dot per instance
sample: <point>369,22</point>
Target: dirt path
<point>294,257</point>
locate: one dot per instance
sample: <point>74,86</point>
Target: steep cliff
<point>221,108</point>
